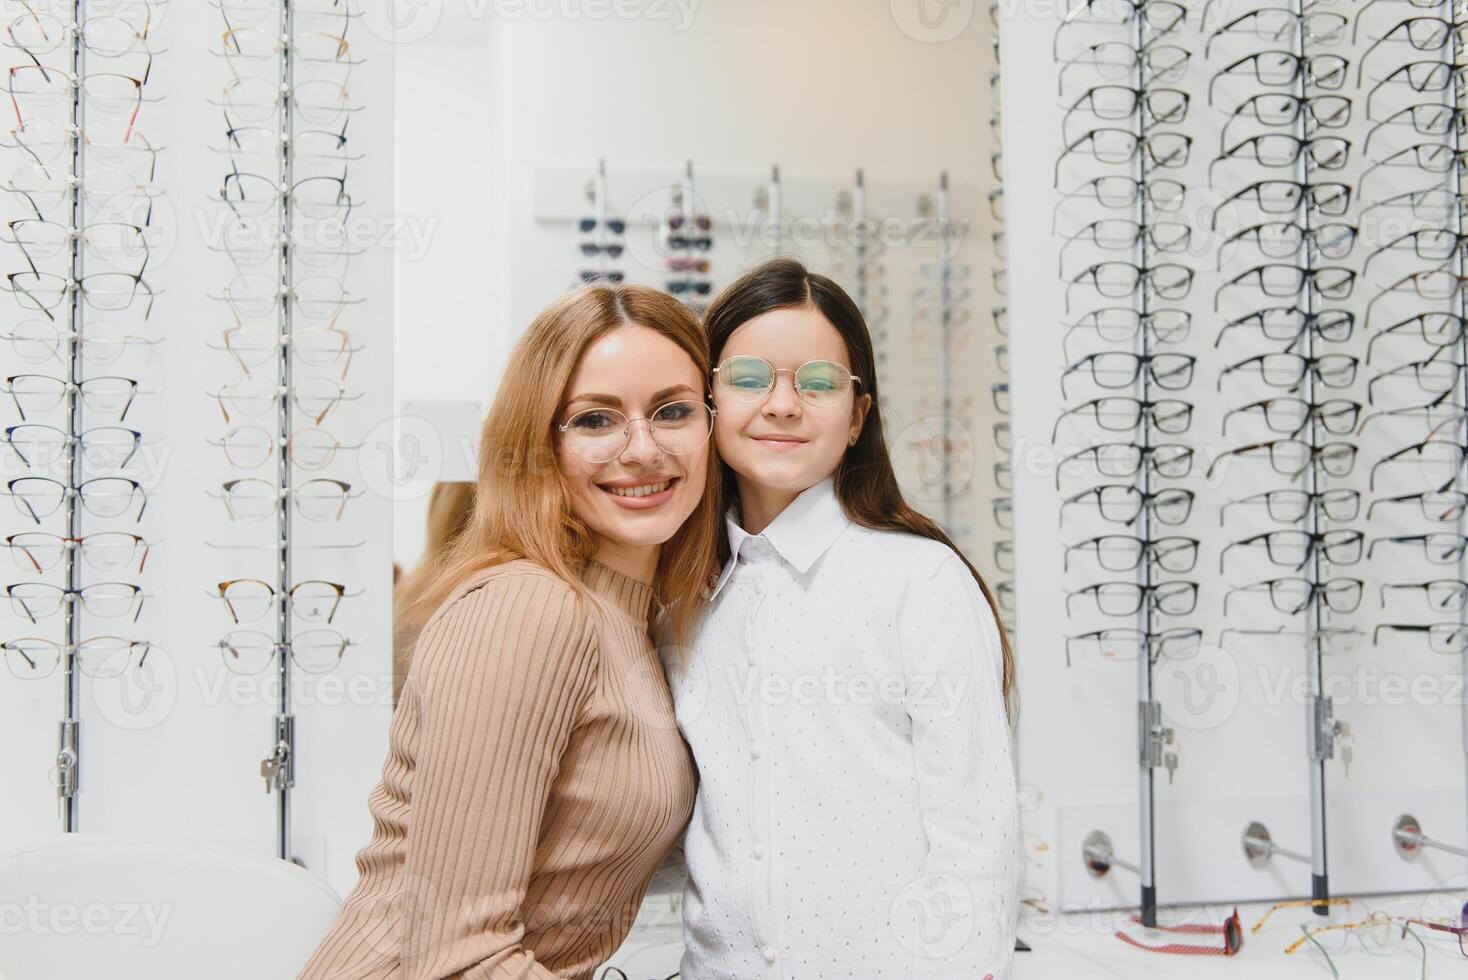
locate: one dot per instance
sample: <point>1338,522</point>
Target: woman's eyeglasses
<point>602,434</point>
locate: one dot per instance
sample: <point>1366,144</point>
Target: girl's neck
<point>759,506</point>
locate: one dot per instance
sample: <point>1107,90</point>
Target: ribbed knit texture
<point>535,779</point>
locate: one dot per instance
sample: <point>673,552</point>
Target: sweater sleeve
<point>497,682</point>
<point>501,683</point>
<point>966,900</point>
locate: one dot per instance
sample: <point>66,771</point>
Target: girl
<point>535,777</point>
<point>846,694</point>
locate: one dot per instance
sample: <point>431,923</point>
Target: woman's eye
<point>676,412</point>
<point>592,421</point>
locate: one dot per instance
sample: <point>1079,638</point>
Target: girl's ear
<point>859,409</point>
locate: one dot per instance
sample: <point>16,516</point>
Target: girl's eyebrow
<point>657,398</point>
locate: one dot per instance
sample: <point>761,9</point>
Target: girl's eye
<point>749,381</point>
<point>817,384</point>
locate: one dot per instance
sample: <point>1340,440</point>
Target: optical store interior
<point>1167,304</point>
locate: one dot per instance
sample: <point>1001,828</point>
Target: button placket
<point>756,628</point>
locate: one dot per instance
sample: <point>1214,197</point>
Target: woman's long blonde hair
<point>522,505</point>
<point>449,508</point>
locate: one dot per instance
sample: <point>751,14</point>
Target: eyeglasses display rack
<point>288,108</point>
<point>82,188</point>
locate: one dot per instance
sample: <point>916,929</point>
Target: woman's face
<point>780,442</point>
<point>640,495</point>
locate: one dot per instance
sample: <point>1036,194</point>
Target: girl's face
<point>631,491</point>
<point>781,442</point>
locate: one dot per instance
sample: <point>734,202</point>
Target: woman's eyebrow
<point>657,398</point>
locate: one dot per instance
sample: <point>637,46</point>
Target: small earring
<point>851,441</point>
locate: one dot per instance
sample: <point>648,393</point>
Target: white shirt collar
<point>800,534</point>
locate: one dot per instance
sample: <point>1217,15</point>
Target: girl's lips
<point>779,443</point>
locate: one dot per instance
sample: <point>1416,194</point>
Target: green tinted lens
<point>822,382</point>
<point>746,378</point>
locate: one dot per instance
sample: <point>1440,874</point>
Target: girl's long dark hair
<point>865,482</point>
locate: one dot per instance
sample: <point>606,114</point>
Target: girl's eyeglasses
<point>601,434</point>
<point>746,378</point>
<point>32,658</point>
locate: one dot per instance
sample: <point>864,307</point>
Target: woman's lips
<point>642,503</point>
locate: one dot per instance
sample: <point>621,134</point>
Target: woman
<point>846,694</point>
<point>535,777</point>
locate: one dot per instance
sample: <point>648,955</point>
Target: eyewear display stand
<point>68,754</point>
<point>278,768</point>
<point>1154,738</point>
<point>1409,841</point>
<point>1454,10</point>
<point>1322,727</point>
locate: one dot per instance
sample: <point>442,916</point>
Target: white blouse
<point>856,813</point>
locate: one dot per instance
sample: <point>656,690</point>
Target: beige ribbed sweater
<point>535,779</point>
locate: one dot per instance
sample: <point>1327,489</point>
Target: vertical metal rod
<point>858,224</point>
<point>1320,741</point>
<point>1457,9</point>
<point>68,756</point>
<point>945,319</point>
<point>690,233</point>
<point>284,721</point>
<point>599,211</point>
<point>775,209</point>
<point>1149,718</point>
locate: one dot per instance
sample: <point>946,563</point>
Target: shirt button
<point>754,751</point>
<point>768,952</point>
<point>759,850</point>
<point>752,658</point>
